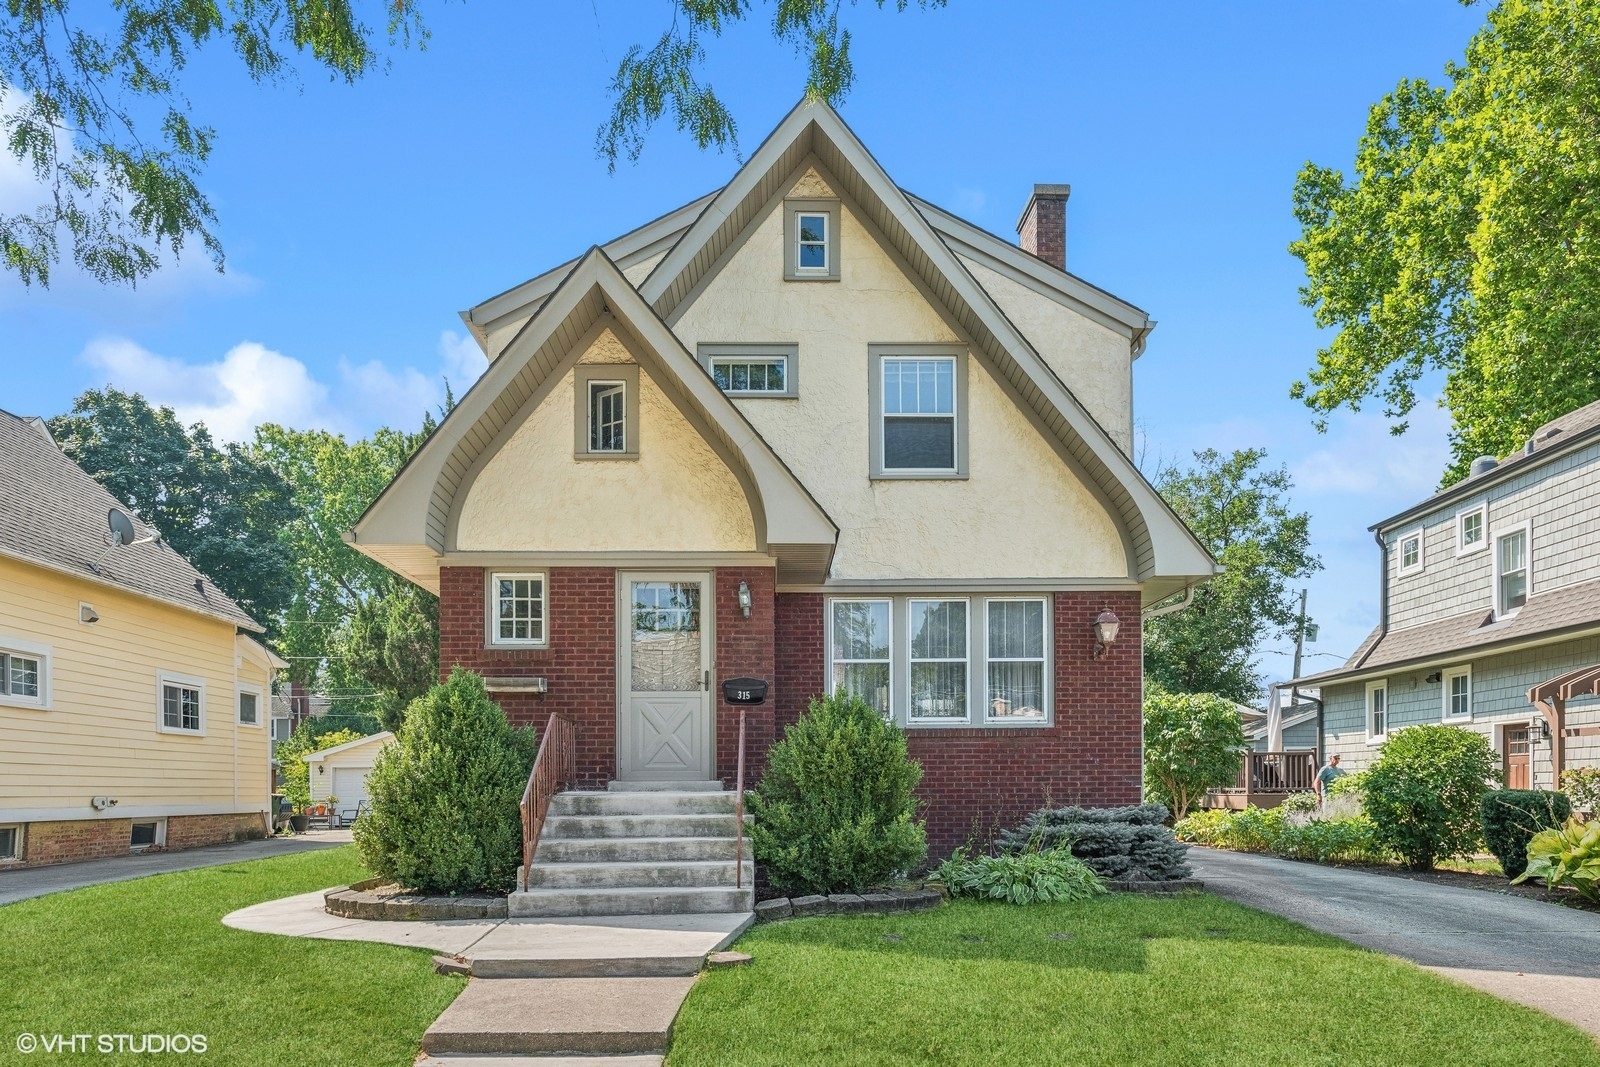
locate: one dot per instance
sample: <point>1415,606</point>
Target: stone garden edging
<point>377,899</point>
<point>848,904</point>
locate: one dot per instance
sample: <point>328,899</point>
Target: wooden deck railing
<point>738,812</point>
<point>1265,778</point>
<point>553,768</point>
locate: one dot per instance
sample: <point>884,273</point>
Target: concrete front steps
<point>656,848</point>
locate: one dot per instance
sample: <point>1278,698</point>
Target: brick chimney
<point>1042,229</point>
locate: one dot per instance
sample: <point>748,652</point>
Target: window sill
<point>31,705</point>
<point>1473,551</point>
<point>252,725</point>
<point>819,276</point>
<point>605,455</point>
<point>918,476</point>
<point>174,731</point>
<point>1456,720</point>
<point>1374,740</point>
<point>968,724</point>
<point>516,646</point>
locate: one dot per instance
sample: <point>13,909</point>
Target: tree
<point>296,773</point>
<point>92,104</point>
<point>392,641</point>
<point>1425,792</point>
<point>1192,742</point>
<point>219,508</point>
<point>1241,513</point>
<point>1464,242</point>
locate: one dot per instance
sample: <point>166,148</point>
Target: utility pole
<point>1299,642</point>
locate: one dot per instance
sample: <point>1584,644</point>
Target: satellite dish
<point>121,527</point>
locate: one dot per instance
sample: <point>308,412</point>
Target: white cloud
<point>252,384</point>
<point>1362,457</point>
<point>463,360</point>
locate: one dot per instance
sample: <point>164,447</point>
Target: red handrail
<point>738,813</point>
<point>555,766</point>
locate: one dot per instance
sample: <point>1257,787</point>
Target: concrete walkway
<point>607,987</point>
<point>1541,955</point>
<point>25,883</point>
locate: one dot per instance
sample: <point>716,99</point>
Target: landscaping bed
<point>1493,881</point>
<point>375,898</point>
<point>1120,979</point>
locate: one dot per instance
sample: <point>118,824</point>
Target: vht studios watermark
<point>106,1044</point>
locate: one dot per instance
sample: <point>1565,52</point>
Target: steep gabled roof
<point>1163,546</point>
<point>408,527</point>
<point>53,515</point>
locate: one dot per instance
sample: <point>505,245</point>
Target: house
<point>1490,613</point>
<point>341,772</point>
<point>813,430</point>
<point>133,698</point>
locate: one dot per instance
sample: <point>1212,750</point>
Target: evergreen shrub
<point>1131,841</point>
<point>1511,817</point>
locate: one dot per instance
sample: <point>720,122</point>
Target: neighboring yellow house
<point>133,702</point>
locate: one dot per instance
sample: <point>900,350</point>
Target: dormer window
<point>1411,552</point>
<point>811,240</point>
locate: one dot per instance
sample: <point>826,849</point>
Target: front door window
<point>666,637</point>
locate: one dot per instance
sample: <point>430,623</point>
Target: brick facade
<point>73,840</point>
<point>744,650</point>
<point>195,831</point>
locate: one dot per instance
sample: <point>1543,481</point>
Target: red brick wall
<point>71,840</point>
<point>194,831</point>
<point>580,664</point>
<point>975,780</point>
<point>744,650</point>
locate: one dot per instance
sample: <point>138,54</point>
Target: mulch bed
<point>1491,883</point>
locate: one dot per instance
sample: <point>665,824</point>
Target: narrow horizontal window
<point>734,375</point>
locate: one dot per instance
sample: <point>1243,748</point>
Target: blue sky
<point>359,220</point>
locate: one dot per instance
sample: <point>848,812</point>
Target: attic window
<point>811,240</point>
<point>606,416</point>
<point>1411,552</point>
<point>752,370</point>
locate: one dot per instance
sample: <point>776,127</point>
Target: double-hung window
<point>183,703</point>
<point>1016,657</point>
<point>1377,710</point>
<point>938,657</point>
<point>608,424</point>
<point>24,674</point>
<point>517,614</point>
<point>859,643</point>
<point>918,406</point>
<point>1458,693</point>
<point>1511,584</point>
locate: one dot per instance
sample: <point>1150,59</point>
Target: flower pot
<point>298,823</point>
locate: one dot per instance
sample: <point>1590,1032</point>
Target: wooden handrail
<point>554,767</point>
<point>738,812</point>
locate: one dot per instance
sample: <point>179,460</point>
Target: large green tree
<point>92,104</point>
<point>218,507</point>
<point>392,644</point>
<point>1466,240</point>
<point>1241,512</point>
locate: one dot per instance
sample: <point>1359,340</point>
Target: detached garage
<point>341,772</point>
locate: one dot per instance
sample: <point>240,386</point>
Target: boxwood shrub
<point>1512,816</point>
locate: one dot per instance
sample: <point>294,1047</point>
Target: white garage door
<point>350,786</point>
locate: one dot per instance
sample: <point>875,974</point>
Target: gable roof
<point>53,515</point>
<point>1167,557</point>
<point>408,527</point>
<point>382,737</point>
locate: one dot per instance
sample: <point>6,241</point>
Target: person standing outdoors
<point>1329,774</point>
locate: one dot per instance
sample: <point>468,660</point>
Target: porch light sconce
<point>322,768</point>
<point>1544,729</point>
<point>744,599</point>
<point>1436,676</point>
<point>1106,625</point>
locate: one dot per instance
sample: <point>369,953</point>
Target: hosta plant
<point>1037,877</point>
<point>1569,856</point>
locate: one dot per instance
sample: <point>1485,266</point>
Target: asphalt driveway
<point>1542,955</point>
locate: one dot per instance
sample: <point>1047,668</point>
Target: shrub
<point>1511,817</point>
<point>1208,826</point>
<point>446,793</point>
<point>836,808</point>
<point>1317,836</point>
<point>1349,785</point>
<point>1036,876</point>
<point>1192,742</point>
<point>1568,856</point>
<point>1114,842</point>
<point>292,753</point>
<point>1582,784</point>
<point>1324,840</point>
<point>1424,792</point>
<point>1303,802</point>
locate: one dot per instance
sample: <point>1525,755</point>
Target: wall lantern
<point>744,599</point>
<point>322,768</point>
<point>1106,625</point>
<point>1544,729</point>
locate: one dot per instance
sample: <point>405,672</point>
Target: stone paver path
<point>1542,955</point>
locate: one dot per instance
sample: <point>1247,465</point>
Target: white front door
<point>664,674</point>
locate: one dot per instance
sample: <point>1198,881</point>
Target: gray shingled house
<point>1490,614</point>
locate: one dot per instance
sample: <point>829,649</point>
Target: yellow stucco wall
<point>99,735</point>
<point>535,495</point>
<point>1020,513</point>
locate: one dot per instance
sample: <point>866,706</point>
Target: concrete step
<point>635,849</point>
<point>558,1016</point>
<point>646,1060</point>
<point>543,903</point>
<point>613,826</point>
<point>624,946</point>
<point>638,873</point>
<point>713,786</point>
<point>650,803</point>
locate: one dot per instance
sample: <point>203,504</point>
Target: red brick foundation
<point>195,831</point>
<point>74,840</point>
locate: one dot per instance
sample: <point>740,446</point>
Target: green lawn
<point>152,956</point>
<point>1190,980</point>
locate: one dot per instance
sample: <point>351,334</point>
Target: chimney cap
<point>1043,191</point>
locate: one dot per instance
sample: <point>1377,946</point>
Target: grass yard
<point>152,957</point>
<point>1140,980</point>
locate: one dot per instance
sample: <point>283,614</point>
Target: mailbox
<point>744,691</point>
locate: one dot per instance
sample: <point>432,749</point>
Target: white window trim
<point>590,374</point>
<point>1372,738</point>
<point>1422,551</point>
<point>491,611</point>
<point>1526,529</point>
<point>187,681</point>
<point>876,355</point>
<point>937,720</point>
<point>1046,690</point>
<point>1482,511</point>
<point>261,702</point>
<point>46,656</point>
<point>1445,679</point>
<point>827,644</point>
<point>161,835</point>
<point>20,845</point>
